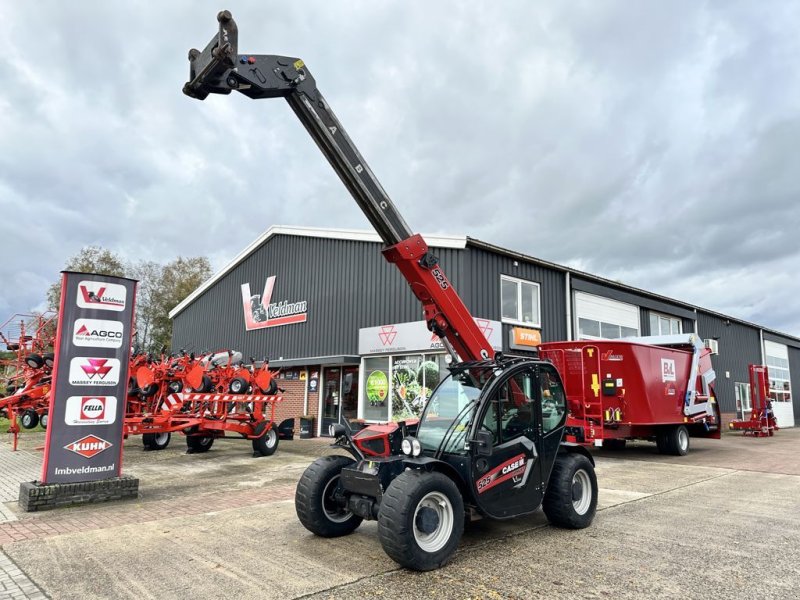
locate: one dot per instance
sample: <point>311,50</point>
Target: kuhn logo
<point>90,410</point>
<point>102,296</point>
<point>88,446</point>
<point>387,334</point>
<point>94,371</point>
<point>97,333</point>
<point>261,312</point>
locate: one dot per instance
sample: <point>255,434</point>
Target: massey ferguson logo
<point>102,296</point>
<point>94,371</point>
<point>97,333</point>
<point>90,410</point>
<point>387,334</point>
<point>261,312</point>
<point>88,446</point>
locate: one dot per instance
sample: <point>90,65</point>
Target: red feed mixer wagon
<point>654,388</point>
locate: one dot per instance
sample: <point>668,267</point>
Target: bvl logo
<point>261,312</point>
<point>88,446</point>
<point>101,296</point>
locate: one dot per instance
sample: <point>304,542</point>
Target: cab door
<point>509,481</point>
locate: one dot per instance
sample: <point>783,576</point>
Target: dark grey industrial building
<point>345,329</point>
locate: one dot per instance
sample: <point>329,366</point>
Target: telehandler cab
<point>490,439</point>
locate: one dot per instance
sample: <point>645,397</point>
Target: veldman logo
<point>90,410</point>
<point>97,333</point>
<point>88,446</point>
<point>94,371</point>
<point>101,296</point>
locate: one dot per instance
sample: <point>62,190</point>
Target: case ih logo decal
<point>88,446</point>
<point>90,410</point>
<point>102,296</point>
<point>510,469</point>
<point>97,334</point>
<point>260,312</point>
<point>387,334</point>
<point>94,371</point>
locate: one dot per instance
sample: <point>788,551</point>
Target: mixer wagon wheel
<point>673,440</point>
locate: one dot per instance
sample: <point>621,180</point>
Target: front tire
<point>156,441</point>
<point>421,520</point>
<point>571,498</point>
<point>315,501</point>
<point>267,444</point>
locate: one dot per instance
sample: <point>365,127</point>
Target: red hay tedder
<point>762,421</point>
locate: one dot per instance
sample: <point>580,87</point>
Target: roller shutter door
<point>597,317</point>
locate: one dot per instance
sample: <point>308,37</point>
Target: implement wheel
<point>34,361</point>
<point>571,498</point>
<point>43,420</point>
<point>29,419</point>
<point>267,444</point>
<point>316,502</point>
<point>421,520</point>
<point>156,441</point>
<point>197,444</point>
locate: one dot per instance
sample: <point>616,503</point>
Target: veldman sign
<point>84,433</point>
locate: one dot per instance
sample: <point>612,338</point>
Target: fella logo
<point>101,296</point>
<point>96,333</point>
<point>261,312</point>
<point>90,410</point>
<point>94,371</point>
<point>88,446</point>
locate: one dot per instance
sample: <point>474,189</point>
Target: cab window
<point>511,411</point>
<point>554,401</point>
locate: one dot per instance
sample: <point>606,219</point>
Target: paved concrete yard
<point>721,522</point>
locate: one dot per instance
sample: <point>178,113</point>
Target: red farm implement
<point>204,398</point>
<point>762,421</point>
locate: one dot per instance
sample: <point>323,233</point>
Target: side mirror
<point>483,443</point>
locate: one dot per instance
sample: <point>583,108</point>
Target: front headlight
<point>405,446</point>
<point>416,447</point>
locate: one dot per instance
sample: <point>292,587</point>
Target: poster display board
<point>90,379</point>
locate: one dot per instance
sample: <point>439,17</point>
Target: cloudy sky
<point>655,143</point>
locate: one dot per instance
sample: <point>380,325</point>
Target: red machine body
<point>762,422</point>
<point>627,389</point>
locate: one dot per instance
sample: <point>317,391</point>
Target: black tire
<point>34,361</point>
<point>197,444</point>
<point>238,385</point>
<point>44,418</point>
<point>156,441</point>
<point>614,444</point>
<point>49,359</point>
<point>661,442</point>
<point>29,419</point>
<point>205,386</point>
<point>421,520</point>
<point>272,389</point>
<point>149,390</point>
<point>571,497</point>
<point>267,444</point>
<point>175,386</point>
<point>675,441</point>
<point>314,503</point>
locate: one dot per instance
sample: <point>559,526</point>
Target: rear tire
<point>421,520</point>
<point>29,419</point>
<point>571,497</point>
<point>675,441</point>
<point>267,444</point>
<point>198,444</point>
<point>34,361</point>
<point>156,441</point>
<point>314,500</point>
<point>43,419</point>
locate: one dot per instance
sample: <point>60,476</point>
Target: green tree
<point>91,259</point>
<point>148,274</point>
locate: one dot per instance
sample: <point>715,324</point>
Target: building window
<point>664,325</point>
<point>742,393</point>
<point>520,301</point>
<point>603,318</point>
<point>780,386</point>
<point>589,329</point>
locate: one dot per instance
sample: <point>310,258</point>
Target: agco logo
<point>88,446</point>
<point>90,410</point>
<point>101,296</point>
<point>97,333</point>
<point>94,371</point>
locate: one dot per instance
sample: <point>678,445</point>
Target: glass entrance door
<point>331,396</point>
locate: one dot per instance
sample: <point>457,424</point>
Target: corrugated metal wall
<point>794,373</point>
<point>481,290</point>
<point>347,284</point>
<point>739,347</point>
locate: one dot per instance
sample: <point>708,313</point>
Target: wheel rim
<point>683,440</point>
<point>333,511</point>
<point>581,492</point>
<point>437,507</point>
<point>43,420</point>
<point>236,386</point>
<point>206,441</point>
<point>161,439</point>
<point>272,438</point>
<point>27,419</point>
